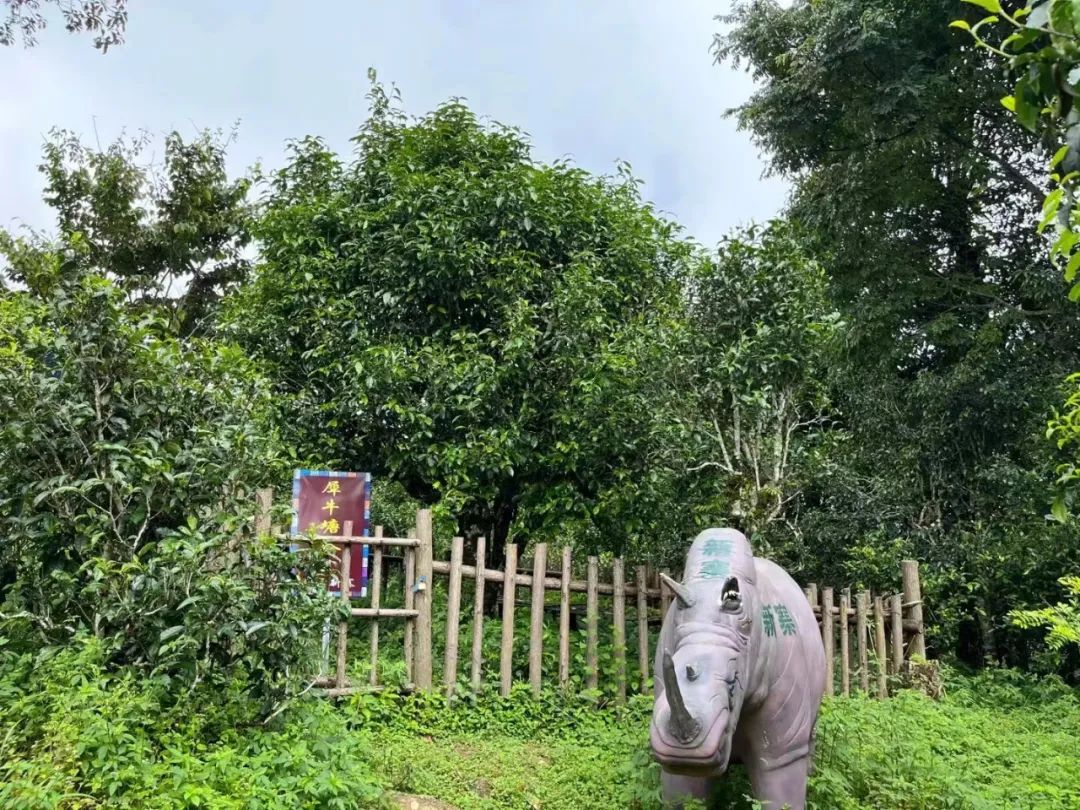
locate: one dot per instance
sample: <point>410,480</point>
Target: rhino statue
<point>739,674</point>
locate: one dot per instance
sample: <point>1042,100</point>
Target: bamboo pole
<point>376,598</point>
<point>827,638</point>
<point>422,670</point>
<point>478,614</point>
<point>862,604</point>
<point>812,594</point>
<point>453,615</point>
<point>592,610</point>
<point>845,642</point>
<point>385,542</point>
<point>564,619</point>
<point>536,619</point>
<point>409,644</point>
<point>345,586</point>
<point>506,652</point>
<point>665,595</point>
<point>881,655</point>
<point>913,604</point>
<point>618,580</point>
<point>551,583</point>
<point>896,609</point>
<point>642,630</point>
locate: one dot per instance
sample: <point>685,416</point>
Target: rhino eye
<point>730,598</point>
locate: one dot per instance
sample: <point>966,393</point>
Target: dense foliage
<point>916,193</point>
<point>128,462</point>
<point>482,328</point>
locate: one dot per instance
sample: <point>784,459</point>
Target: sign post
<point>335,505</point>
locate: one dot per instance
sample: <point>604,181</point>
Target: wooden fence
<point>883,630</point>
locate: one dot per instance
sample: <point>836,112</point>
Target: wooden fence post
<point>536,618</point>
<point>478,614</point>
<point>827,637</point>
<point>422,668</point>
<point>862,604</point>
<point>881,654</point>
<point>896,609</point>
<point>506,653</point>
<point>812,594</point>
<point>345,587</point>
<point>618,580</point>
<point>376,598</point>
<point>409,644</point>
<point>592,610</point>
<point>845,643</point>
<point>665,595</point>
<point>643,628</point>
<point>564,618</point>
<point>453,615</point>
<point>913,605</point>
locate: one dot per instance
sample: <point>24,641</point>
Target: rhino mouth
<point>707,754</point>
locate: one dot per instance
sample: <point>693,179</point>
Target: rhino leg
<point>675,789</point>
<point>780,786</point>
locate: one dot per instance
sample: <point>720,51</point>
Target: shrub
<point>128,460</point>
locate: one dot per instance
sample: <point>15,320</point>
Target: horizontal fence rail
<point>867,637</point>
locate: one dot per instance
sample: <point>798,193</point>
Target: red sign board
<point>336,504</point>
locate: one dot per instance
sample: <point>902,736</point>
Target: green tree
<point>754,402</point>
<point>172,236</point>
<point>446,311</point>
<point>916,199</point>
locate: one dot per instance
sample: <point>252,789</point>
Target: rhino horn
<point>683,724</point>
<point>682,593</point>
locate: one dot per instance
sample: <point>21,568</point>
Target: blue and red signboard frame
<point>331,503</point>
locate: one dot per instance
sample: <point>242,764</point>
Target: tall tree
<point>173,236</point>
<point>483,328</point>
<point>918,200</point>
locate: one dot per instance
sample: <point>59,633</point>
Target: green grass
<point>996,740</point>
<point>73,735</point>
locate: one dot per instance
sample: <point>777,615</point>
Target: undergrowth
<point>75,735</point>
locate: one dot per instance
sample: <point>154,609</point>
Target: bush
<point>75,735</point>
<point>128,462</point>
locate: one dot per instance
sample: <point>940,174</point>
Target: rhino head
<point>704,664</point>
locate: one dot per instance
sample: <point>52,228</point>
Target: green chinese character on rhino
<point>768,623</point>
<point>715,547</point>
<point>786,620</point>
<point>713,569</point>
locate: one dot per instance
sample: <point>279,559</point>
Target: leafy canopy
<point>446,311</point>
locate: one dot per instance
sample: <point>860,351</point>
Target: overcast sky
<point>595,81</point>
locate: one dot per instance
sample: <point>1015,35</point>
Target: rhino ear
<point>731,596</point>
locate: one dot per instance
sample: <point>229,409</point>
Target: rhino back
<point>788,678</point>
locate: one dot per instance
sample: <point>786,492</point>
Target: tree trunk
<point>492,521</point>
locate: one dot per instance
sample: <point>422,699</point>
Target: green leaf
<point>1009,103</point>
<point>1072,267</point>
<point>171,632</point>
<point>1059,510</point>
<point>993,6</point>
<point>961,24</point>
<point>1074,293</point>
<point>1059,155</point>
